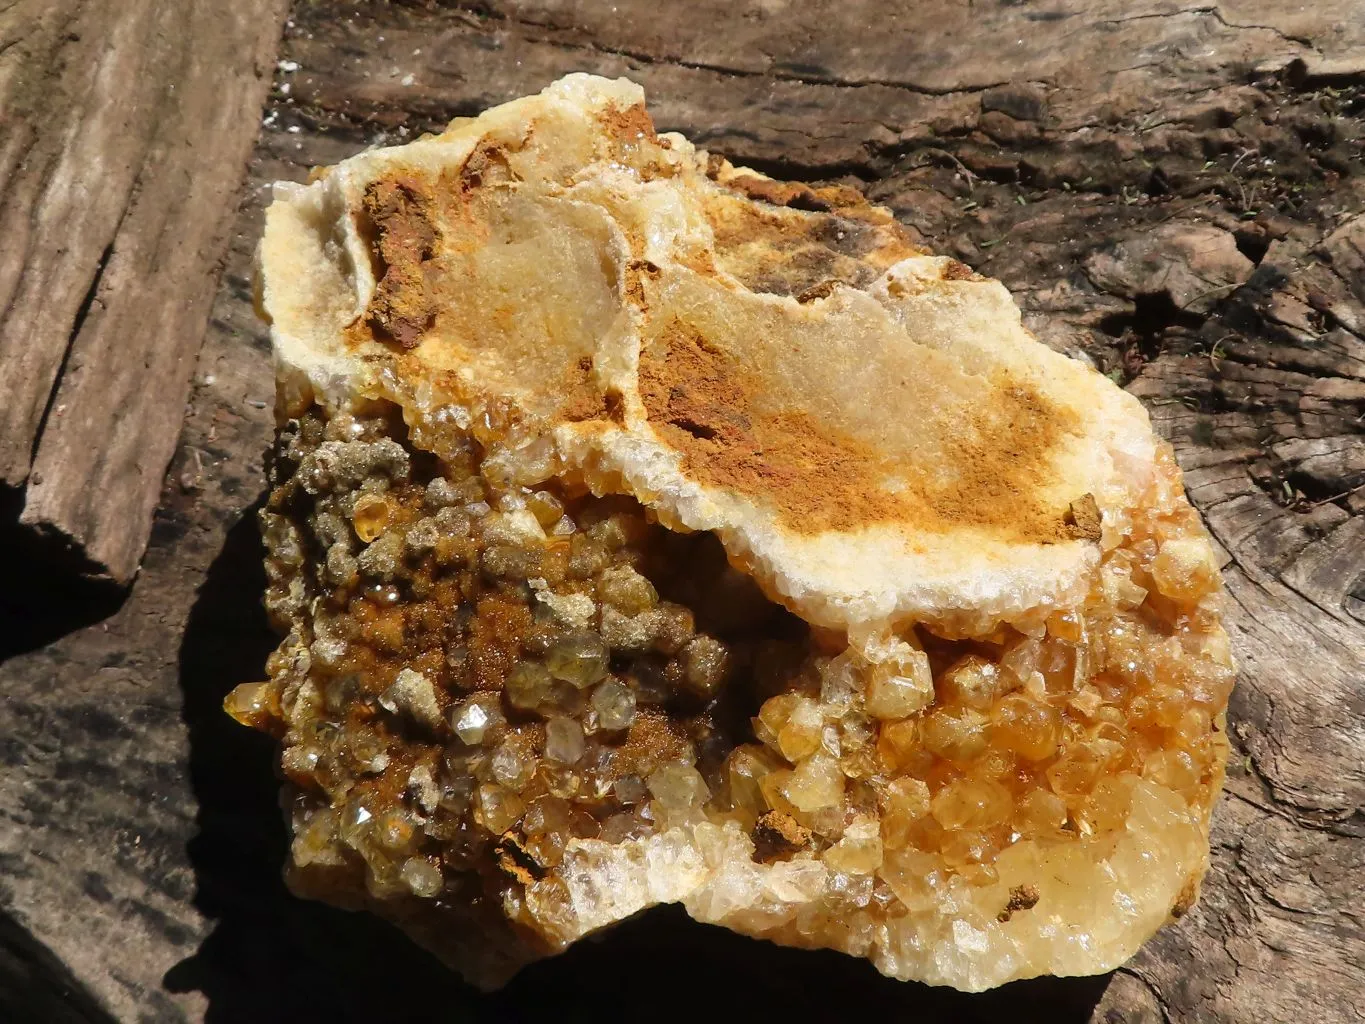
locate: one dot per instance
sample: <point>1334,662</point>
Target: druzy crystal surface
<point>646,530</point>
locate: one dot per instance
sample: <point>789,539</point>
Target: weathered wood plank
<point>82,106</point>
<point>131,125</point>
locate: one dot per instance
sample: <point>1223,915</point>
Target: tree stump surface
<point>1175,193</point>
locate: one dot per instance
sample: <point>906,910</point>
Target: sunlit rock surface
<point>646,530</point>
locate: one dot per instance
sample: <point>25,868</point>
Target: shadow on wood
<point>36,986</point>
<point>43,592</point>
<point>274,957</point>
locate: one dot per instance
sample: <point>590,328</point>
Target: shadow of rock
<point>272,957</point>
<point>681,970</point>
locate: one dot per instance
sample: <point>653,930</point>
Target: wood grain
<point>1044,144</point>
<point>128,127</point>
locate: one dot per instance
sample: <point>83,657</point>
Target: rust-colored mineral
<point>646,530</point>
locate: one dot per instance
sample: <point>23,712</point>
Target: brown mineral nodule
<point>779,835</point>
<point>1022,897</point>
<point>644,530</point>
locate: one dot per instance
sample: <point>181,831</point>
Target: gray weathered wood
<point>128,127</point>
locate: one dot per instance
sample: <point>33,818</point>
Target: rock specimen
<point>648,530</point>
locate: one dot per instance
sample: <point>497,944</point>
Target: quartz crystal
<point>644,530</point>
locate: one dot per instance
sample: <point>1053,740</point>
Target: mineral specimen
<point>648,530</point>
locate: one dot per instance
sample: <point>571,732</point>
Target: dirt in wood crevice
<point>1142,334</point>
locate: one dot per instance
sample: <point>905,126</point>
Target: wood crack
<point>87,304</point>
<point>774,72</point>
<point>1215,12</point>
<point>1154,990</point>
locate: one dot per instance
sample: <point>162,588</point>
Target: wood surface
<point>126,130</point>
<point>1175,192</point>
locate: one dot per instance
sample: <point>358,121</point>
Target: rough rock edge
<point>1014,582</point>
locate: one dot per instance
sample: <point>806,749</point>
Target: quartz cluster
<point>646,530</point>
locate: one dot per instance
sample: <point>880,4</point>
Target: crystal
<point>1074,773</point>
<point>582,472</point>
<point>1107,808</point>
<point>547,814</point>
<point>1039,812</point>
<point>626,590</point>
<point>422,877</point>
<point>973,681</point>
<point>422,787</point>
<point>967,804</point>
<point>422,537</point>
<point>528,685</point>
<point>563,740</point>
<point>859,852</point>
<point>628,633</point>
<point>477,718</point>
<point>441,493</point>
<point>395,831</point>
<point>382,559</point>
<point>412,694</point>
<point>254,704</point>
<point>630,789</point>
<point>746,768</point>
<point>614,703</point>
<point>957,733</point>
<point>579,659</point>
<point>371,516</point>
<point>547,509</point>
<point>677,788</point>
<point>816,783</point>
<point>801,733</point>
<point>900,691</point>
<point>1184,568</point>
<point>1174,769</point>
<point>704,664</point>
<point>903,802</point>
<point>705,659</point>
<point>499,808</point>
<point>513,764</point>
<point>1030,728</point>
